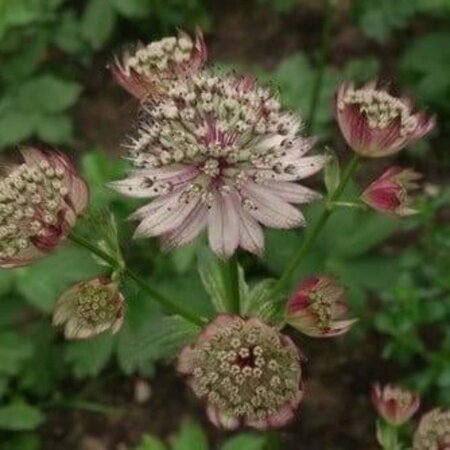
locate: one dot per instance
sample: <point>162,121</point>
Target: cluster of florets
<point>317,308</point>
<point>147,71</point>
<point>395,404</point>
<point>219,152</point>
<point>39,202</point>
<point>375,123</point>
<point>433,432</point>
<point>246,371</point>
<point>380,108</point>
<point>89,308</point>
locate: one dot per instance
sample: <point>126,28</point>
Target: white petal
<point>251,234</point>
<point>305,167</point>
<point>292,192</point>
<point>271,210</point>
<point>223,224</point>
<point>189,230</point>
<point>166,218</point>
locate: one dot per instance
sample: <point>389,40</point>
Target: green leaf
<point>133,8</point>
<point>245,441</point>
<point>15,126</point>
<point>15,349</point>
<point>150,442</point>
<point>184,257</point>
<point>43,282</point>
<point>48,94</point>
<point>55,129</point>
<point>98,22</point>
<point>259,303</point>
<point>22,441</point>
<point>190,436</point>
<point>157,338</point>
<point>88,358</point>
<point>19,416</point>
<point>210,271</point>
<point>332,172</point>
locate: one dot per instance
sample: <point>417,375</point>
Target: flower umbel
<point>395,404</point>
<point>389,193</point>
<point>316,308</point>
<point>219,153</point>
<point>433,432</point>
<point>149,70</point>
<point>246,371</point>
<point>375,123</point>
<point>90,307</point>
<point>40,200</point>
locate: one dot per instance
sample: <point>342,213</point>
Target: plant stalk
<point>324,50</point>
<point>157,296</point>
<point>230,273</point>
<point>302,251</point>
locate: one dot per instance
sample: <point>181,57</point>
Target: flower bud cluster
<point>244,369</point>
<point>380,109</point>
<point>39,201</point>
<point>89,308</point>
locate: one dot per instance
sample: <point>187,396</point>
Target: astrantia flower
<point>376,124</point>
<point>433,432</point>
<point>395,404</point>
<point>246,372</point>
<point>39,203</point>
<point>219,153</point>
<point>316,308</point>
<point>389,193</point>
<point>89,308</point>
<point>149,69</point>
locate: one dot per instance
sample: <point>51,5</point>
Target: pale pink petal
<point>223,224</point>
<point>292,192</point>
<point>309,165</point>
<point>271,210</point>
<point>221,420</point>
<point>251,234</point>
<point>166,218</point>
<point>189,230</point>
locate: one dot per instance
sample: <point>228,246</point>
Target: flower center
<point>95,305</point>
<point>30,202</point>
<point>381,109</point>
<point>246,371</point>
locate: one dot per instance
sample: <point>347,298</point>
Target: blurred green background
<point>55,91</point>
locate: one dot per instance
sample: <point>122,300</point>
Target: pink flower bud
<point>375,123</point>
<point>395,404</point>
<point>150,69</point>
<point>316,308</point>
<point>246,372</point>
<point>40,200</point>
<point>389,193</point>
<point>89,308</point>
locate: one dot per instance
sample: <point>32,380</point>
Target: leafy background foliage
<point>397,273</point>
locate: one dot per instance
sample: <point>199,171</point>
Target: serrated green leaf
<point>190,436</point>
<point>245,442</point>
<point>98,22</point>
<point>15,349</point>
<point>20,416</point>
<point>43,282</point>
<point>88,358</point>
<point>259,303</point>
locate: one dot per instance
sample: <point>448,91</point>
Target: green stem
<point>157,296</point>
<point>230,273</point>
<point>302,251</point>
<point>324,49</point>
<point>387,436</point>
